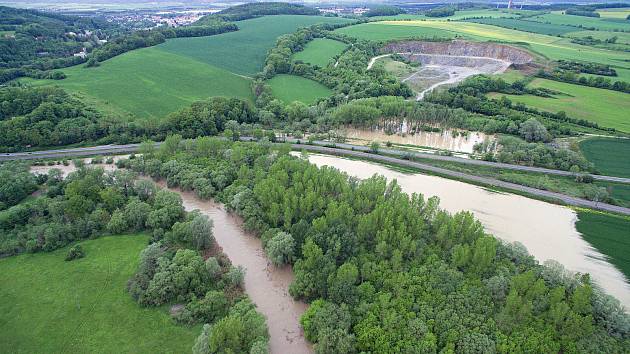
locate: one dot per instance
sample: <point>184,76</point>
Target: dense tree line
<point>384,11</point>
<point>251,10</point>
<point>581,12</point>
<point>586,67</point>
<point>572,77</point>
<point>385,271</point>
<point>440,12</point>
<point>16,183</point>
<point>48,116</point>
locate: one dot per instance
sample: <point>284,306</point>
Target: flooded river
<point>265,284</point>
<point>547,230</point>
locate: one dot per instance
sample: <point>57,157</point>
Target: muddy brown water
<point>547,230</point>
<point>265,284</point>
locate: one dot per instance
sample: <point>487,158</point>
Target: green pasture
<point>610,156</point>
<point>150,83</point>
<point>602,24</point>
<point>53,306</point>
<point>320,51</point>
<point>289,88</point>
<point>617,13</point>
<point>608,233</point>
<point>605,107</point>
<point>244,51</point>
<point>379,31</point>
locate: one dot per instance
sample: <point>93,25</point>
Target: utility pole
<point>510,5</point>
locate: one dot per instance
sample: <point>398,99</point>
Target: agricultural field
<point>547,46</point>
<point>583,22</point>
<point>53,306</point>
<point>459,15</point>
<point>243,52</point>
<point>616,13</point>
<point>320,51</point>
<point>610,156</point>
<point>605,107</point>
<point>622,37</point>
<point>289,88</point>
<point>150,83</point>
<point>527,26</point>
<point>609,234</point>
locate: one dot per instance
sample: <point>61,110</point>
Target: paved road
<point>361,152</point>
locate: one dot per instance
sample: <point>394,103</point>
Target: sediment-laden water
<point>547,230</point>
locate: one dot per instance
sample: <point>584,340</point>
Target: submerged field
<point>610,156</point>
<point>609,234</point>
<point>605,107</point>
<point>244,51</point>
<point>289,88</point>
<point>52,306</point>
<point>320,51</point>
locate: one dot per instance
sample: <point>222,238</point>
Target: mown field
<point>527,26</point>
<point>52,306</point>
<point>289,88</point>
<point>605,107</point>
<point>609,234</point>
<point>244,51</point>
<point>610,156</point>
<point>150,83</point>
<point>582,21</point>
<point>320,51</point>
<point>550,47</point>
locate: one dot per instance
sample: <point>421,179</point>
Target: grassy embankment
<point>52,306</point>
<point>151,82</point>
<point>320,51</point>
<point>605,107</point>
<point>289,88</point>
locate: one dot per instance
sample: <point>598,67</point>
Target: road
<point>363,152</point>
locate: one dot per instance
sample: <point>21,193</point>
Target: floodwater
<point>445,140</point>
<point>265,284</point>
<point>547,230</point>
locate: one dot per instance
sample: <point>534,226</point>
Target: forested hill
<point>246,11</point>
<point>33,37</point>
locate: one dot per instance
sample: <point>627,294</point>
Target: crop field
<point>584,22</point>
<point>622,37</point>
<point>149,83</point>
<point>379,31</point>
<point>605,107</point>
<point>610,156</point>
<point>527,26</point>
<point>618,13</point>
<point>243,52</point>
<point>53,306</point>
<point>548,46</point>
<point>320,51</point>
<point>609,234</point>
<point>289,88</point>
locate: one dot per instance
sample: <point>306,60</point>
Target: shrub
<point>75,252</point>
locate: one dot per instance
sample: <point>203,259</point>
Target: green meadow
<point>243,52</point>
<point>605,107</point>
<point>615,13</point>
<point>527,26</point>
<point>379,31</point>
<point>150,83</point>
<point>608,233</point>
<point>53,306</point>
<point>289,88</point>
<point>602,24</point>
<point>610,156</point>
<point>320,51</point>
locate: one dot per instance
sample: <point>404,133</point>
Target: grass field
<point>150,83</point>
<point>587,22</point>
<point>619,13</point>
<point>622,37</point>
<point>289,88</point>
<point>320,51</point>
<point>548,46</point>
<point>244,51</point>
<point>527,26</point>
<point>605,107</point>
<point>609,234</point>
<point>52,306</point>
<point>610,156</point>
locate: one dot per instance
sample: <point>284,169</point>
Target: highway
<point>362,152</point>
